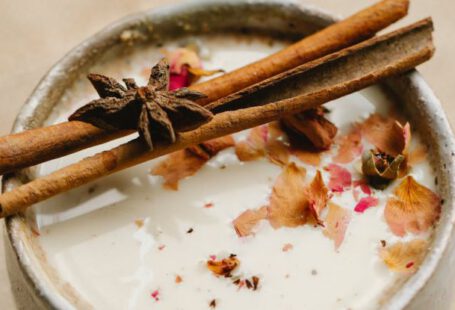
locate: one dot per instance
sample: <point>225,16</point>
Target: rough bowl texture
<point>430,288</point>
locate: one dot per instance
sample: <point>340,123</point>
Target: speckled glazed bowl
<point>34,285</point>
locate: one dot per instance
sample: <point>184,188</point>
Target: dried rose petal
<point>223,267</point>
<point>386,134</point>
<point>179,80</point>
<point>363,186</point>
<point>392,141</point>
<point>181,57</point>
<point>263,141</point>
<point>185,67</point>
<point>350,146</point>
<point>404,257</point>
<point>365,189</point>
<point>366,203</point>
<point>275,130</point>
<point>289,201</point>
<point>176,166</point>
<point>254,146</point>
<point>317,194</point>
<point>287,247</point>
<point>336,224</point>
<point>187,162</point>
<point>340,178</point>
<point>355,194</point>
<point>417,155</point>
<point>292,203</point>
<point>247,220</point>
<point>415,208</point>
<point>406,132</point>
<point>180,60</point>
<point>277,152</point>
<point>199,72</point>
<point>155,295</point>
<point>312,158</point>
<point>276,149</point>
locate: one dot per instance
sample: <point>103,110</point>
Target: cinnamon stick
<point>304,87</point>
<point>42,144</point>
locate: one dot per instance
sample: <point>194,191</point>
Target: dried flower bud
<point>380,169</point>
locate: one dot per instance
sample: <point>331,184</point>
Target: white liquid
<point>92,241</point>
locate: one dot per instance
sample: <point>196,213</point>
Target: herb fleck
<point>223,267</point>
<point>139,223</point>
<point>255,282</point>
<point>209,205</point>
<point>287,247</point>
<point>155,295</point>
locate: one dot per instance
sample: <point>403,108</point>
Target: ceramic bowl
<point>36,287</point>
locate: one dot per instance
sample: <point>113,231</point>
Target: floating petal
<point>414,209</point>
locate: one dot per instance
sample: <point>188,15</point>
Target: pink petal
<point>363,186</point>
<point>340,178</point>
<point>365,203</point>
<point>365,189</point>
<point>355,194</point>
<point>179,80</point>
<point>337,222</point>
<point>155,295</point>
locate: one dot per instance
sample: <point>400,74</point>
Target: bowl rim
<point>49,297</point>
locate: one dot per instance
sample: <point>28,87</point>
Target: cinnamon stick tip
<point>403,4</point>
<point>428,21</point>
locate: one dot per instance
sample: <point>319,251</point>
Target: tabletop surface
<point>36,34</point>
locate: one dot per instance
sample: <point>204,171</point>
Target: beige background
<point>35,34</point>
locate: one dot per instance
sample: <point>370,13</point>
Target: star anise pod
<point>157,113</point>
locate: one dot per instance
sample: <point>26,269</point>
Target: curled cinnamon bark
<point>42,144</point>
<point>314,126</point>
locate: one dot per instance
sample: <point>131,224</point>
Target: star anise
<point>157,113</point>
